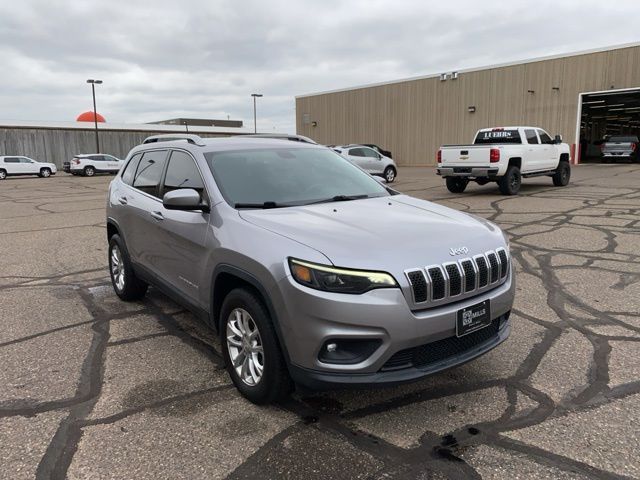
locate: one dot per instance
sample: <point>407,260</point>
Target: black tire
<point>45,172</point>
<point>510,183</point>
<point>562,175</point>
<point>131,288</point>
<point>89,171</point>
<point>456,184</point>
<point>275,382</point>
<point>3,174</point>
<point>389,174</point>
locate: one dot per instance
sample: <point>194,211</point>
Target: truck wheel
<point>89,171</point>
<point>562,175</point>
<point>456,184</point>
<point>510,183</point>
<point>251,350</point>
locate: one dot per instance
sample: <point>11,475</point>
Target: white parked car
<point>90,164</point>
<point>369,160</point>
<point>15,165</point>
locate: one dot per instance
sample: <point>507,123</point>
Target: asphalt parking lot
<point>91,387</point>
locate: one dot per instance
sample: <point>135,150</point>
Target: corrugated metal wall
<point>413,118</point>
<point>58,145</point>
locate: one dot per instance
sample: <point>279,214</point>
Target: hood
<point>388,233</point>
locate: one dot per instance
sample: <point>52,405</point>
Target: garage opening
<point>610,126</point>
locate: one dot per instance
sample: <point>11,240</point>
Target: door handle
<point>123,200</point>
<point>157,215</point>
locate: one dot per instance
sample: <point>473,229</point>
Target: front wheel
<point>456,184</point>
<point>251,349</point>
<point>45,172</point>
<point>510,183</point>
<point>389,174</point>
<point>562,175</point>
<point>89,171</point>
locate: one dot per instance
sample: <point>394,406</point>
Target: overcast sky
<point>161,59</point>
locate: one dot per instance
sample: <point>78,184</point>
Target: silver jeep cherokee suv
<point>311,270</point>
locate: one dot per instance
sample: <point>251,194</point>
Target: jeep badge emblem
<point>458,251</point>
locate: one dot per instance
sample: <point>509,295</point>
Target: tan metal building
<point>582,96</point>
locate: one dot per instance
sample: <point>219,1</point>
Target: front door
<point>373,160</point>
<point>29,166</point>
<point>535,152</point>
<point>181,241</point>
<point>550,152</point>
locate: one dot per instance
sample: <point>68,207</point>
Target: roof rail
<point>193,139</point>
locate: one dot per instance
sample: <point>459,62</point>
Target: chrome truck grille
<point>439,284</point>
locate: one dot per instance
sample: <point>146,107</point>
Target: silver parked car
<point>311,271</point>
<point>369,160</point>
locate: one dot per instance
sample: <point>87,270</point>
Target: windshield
<point>289,176</point>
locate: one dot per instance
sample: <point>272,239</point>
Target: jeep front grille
<point>439,284</point>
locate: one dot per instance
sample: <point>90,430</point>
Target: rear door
<point>535,151</point>
<point>111,163</point>
<point>13,165</point>
<point>143,199</point>
<point>181,242</point>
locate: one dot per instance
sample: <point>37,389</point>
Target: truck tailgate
<point>465,156</point>
<point>618,148</point>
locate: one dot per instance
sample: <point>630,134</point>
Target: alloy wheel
<point>244,345</point>
<point>117,268</point>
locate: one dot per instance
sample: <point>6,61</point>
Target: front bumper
<point>467,171</point>
<point>310,318</point>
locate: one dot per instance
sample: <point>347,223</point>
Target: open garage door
<point>605,115</point>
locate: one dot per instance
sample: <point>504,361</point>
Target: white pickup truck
<point>505,155</point>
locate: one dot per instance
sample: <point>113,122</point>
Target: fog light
<point>348,350</point>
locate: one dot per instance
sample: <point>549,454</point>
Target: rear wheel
<point>89,171</point>
<point>45,172</point>
<point>562,175</point>
<point>510,183</point>
<point>251,349</point>
<point>3,174</point>
<point>456,184</point>
<point>124,280</point>
<point>389,174</point>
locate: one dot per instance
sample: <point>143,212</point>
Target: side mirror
<point>557,139</point>
<point>184,199</point>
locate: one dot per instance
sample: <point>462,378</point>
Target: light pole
<point>95,113</point>
<point>255,123</point>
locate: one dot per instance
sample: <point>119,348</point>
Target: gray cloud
<point>160,59</point>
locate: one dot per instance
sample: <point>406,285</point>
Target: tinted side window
<point>130,170</point>
<point>356,152</point>
<point>149,172</point>
<point>11,160</point>
<point>544,138</point>
<point>532,138</point>
<point>370,153</point>
<point>182,172</point>
<point>25,160</point>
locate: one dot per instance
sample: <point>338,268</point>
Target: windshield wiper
<point>340,198</point>
<point>258,205</point>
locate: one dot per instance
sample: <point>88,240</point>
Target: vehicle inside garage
<point>609,116</point>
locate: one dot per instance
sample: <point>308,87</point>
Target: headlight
<point>340,280</point>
